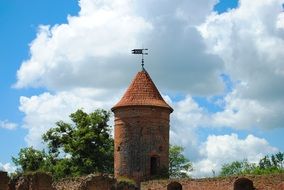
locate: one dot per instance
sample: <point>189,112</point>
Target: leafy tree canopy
<point>31,159</point>
<point>267,165</point>
<point>82,147</point>
<point>179,165</point>
<point>87,141</point>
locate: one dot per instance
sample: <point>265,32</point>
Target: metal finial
<point>140,51</point>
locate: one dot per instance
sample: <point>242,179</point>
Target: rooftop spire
<point>142,92</point>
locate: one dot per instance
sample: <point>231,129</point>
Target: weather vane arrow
<point>141,52</point>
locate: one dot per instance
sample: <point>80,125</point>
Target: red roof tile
<point>142,92</point>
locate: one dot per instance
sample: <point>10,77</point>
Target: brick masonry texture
<point>4,180</point>
<point>41,181</point>
<point>261,182</point>
<point>90,182</point>
<point>141,132</point>
<point>32,181</point>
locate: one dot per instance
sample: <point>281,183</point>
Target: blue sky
<point>214,77</point>
<point>20,21</point>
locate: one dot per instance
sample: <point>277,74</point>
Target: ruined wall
<point>264,182</point>
<point>97,184</point>
<point>141,140</point>
<point>32,181</point>
<point>100,182</point>
<point>4,180</point>
<point>42,181</point>
<point>91,182</point>
<point>68,184</point>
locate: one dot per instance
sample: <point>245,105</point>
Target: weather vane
<point>142,52</point>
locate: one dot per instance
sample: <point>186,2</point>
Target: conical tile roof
<point>142,92</point>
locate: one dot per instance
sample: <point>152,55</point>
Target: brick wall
<point>4,180</point>
<point>141,134</point>
<point>91,182</point>
<point>264,182</point>
<point>41,181</point>
<point>32,181</point>
<point>97,183</point>
<point>68,183</point>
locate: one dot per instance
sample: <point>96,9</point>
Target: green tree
<point>30,159</point>
<point>280,159</point>
<point>266,165</point>
<point>86,144</point>
<point>237,168</point>
<point>179,165</point>
<point>82,147</point>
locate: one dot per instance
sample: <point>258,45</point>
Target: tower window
<point>174,186</point>
<point>155,162</point>
<point>243,184</point>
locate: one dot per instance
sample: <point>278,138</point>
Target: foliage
<point>179,165</point>
<point>237,168</point>
<point>275,161</point>
<point>80,148</point>
<point>125,181</point>
<point>267,165</point>
<point>31,159</point>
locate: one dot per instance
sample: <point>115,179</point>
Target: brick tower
<point>141,133</point>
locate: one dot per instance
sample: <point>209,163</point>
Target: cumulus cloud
<point>189,119</point>
<point>87,50</point>
<point>218,150</point>
<point>8,125</point>
<point>7,167</point>
<point>185,120</point>
<point>92,49</point>
<point>41,112</point>
<point>250,40</point>
<point>244,113</point>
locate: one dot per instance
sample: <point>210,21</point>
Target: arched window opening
<point>155,163</point>
<point>174,186</point>
<point>243,184</point>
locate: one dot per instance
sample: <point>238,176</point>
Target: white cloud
<point>185,121</point>
<point>243,113</point>
<point>218,150</point>
<point>189,113</point>
<point>42,111</point>
<point>93,48</point>
<point>8,167</point>
<point>280,21</point>
<point>189,116</point>
<point>79,52</point>
<point>8,125</point>
<point>189,119</point>
<point>250,41</point>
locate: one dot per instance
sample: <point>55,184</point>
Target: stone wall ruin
<point>261,182</point>
<point>43,181</point>
<point>4,180</point>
